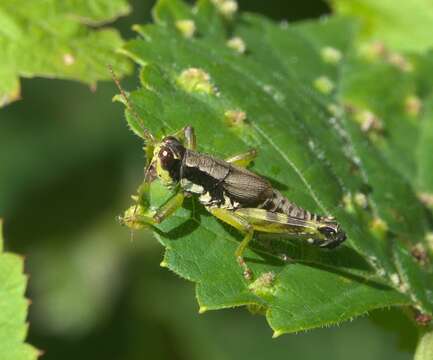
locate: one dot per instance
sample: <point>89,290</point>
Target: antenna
<point>146,133</point>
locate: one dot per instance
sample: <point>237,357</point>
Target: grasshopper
<point>226,189</point>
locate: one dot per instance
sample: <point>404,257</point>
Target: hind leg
<point>242,225</point>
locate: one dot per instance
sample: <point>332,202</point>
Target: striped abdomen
<point>280,204</point>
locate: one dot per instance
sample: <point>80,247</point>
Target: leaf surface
<point>289,84</point>
<point>50,39</point>
<point>13,308</point>
<point>388,21</point>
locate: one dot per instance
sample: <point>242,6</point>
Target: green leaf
<point>13,308</point>
<point>424,349</point>
<point>405,112</point>
<point>424,175</point>
<point>50,39</point>
<point>284,95</point>
<point>401,25</point>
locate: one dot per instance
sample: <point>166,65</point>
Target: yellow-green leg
<point>169,207</point>
<point>243,159</point>
<point>137,216</point>
<point>242,225</point>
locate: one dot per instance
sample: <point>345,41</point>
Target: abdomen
<point>280,204</point>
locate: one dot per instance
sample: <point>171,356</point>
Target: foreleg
<point>137,216</point>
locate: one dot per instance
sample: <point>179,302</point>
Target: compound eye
<point>166,157</point>
<point>327,231</point>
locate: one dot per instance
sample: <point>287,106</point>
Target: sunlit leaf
<point>13,308</point>
<point>285,81</point>
<point>50,39</point>
<point>402,25</point>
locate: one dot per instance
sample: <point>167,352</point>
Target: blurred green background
<point>68,166</point>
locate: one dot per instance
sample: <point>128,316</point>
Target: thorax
<point>204,175</point>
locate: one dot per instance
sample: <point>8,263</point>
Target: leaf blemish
<point>313,147</point>
<point>235,117</point>
<point>419,252</point>
<point>227,8</point>
<point>368,121</point>
<point>238,44</point>
<point>196,80</point>
<point>186,27</point>
<point>426,198</point>
<point>378,51</point>
<point>378,227</point>
<point>276,95</point>
<point>68,59</point>
<point>399,61</point>
<point>324,84</point>
<point>335,110</point>
<point>264,285</point>
<point>348,203</point>
<point>396,280</point>
<point>429,240</point>
<point>412,105</point>
<point>331,55</point>
<point>361,200</point>
<point>375,263</point>
<point>373,51</point>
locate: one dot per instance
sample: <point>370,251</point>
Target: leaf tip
<point>39,353</point>
<point>163,264</point>
<point>422,319</point>
<point>277,333</point>
<point>118,98</point>
<point>203,309</point>
<point>10,97</point>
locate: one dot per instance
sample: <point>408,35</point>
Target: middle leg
<point>243,159</point>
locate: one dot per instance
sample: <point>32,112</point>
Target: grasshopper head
<point>332,232</point>
<point>167,160</point>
